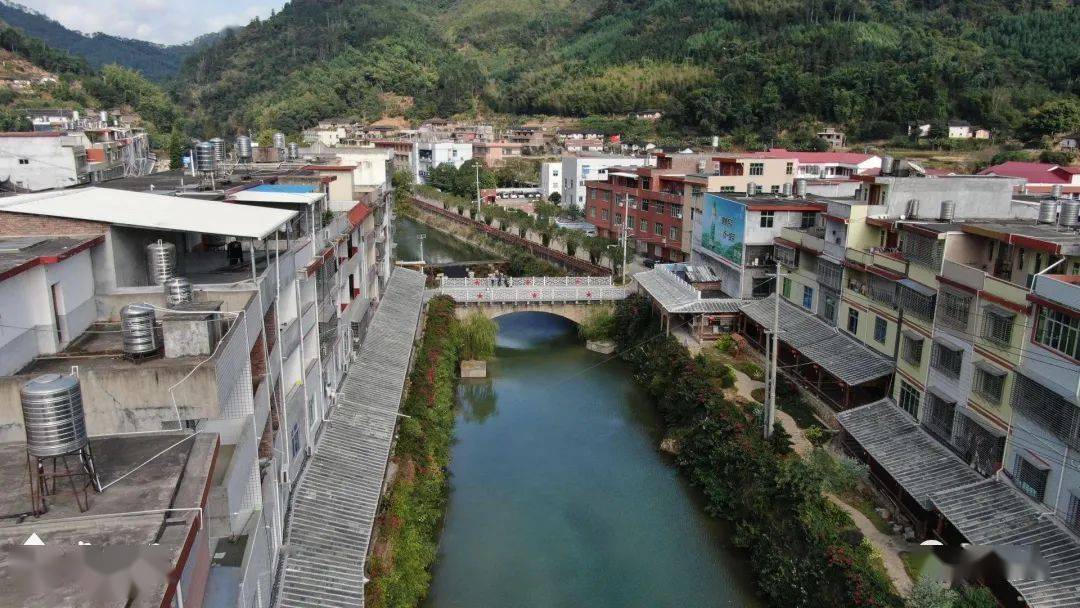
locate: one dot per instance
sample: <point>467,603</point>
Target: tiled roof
<point>338,493</point>
<point>908,453</point>
<point>841,355</point>
<point>677,296</point>
<point>1034,173</point>
<point>992,512</point>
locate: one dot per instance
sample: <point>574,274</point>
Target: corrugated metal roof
<point>151,211</point>
<point>992,512</point>
<point>677,296</point>
<point>908,453</point>
<point>338,493</point>
<point>841,355</point>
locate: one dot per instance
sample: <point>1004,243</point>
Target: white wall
<point>551,178</point>
<point>49,164</point>
<point>576,170</point>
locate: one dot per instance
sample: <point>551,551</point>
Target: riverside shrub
<point>804,550</point>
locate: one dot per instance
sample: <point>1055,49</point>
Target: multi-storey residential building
<point>580,168</point>
<point>832,165</point>
<point>550,178</point>
<point>284,282</point>
<point>496,153</point>
<point>428,155</point>
<point>576,145</point>
<point>44,160</point>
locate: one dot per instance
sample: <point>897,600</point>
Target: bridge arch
<point>572,311</point>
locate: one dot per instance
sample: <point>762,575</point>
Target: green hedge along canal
<point>559,496</point>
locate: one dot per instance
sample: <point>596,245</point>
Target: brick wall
<point>24,224</point>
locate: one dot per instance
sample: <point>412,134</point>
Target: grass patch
<point>914,562</point>
<point>750,369</point>
<point>800,411</point>
<point>758,394</point>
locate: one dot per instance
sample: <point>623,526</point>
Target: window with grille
<point>881,330</point>
<point>922,250</point>
<point>954,309</point>
<point>658,229</point>
<point>1051,411</point>
<point>946,359</point>
<point>917,304</point>
<point>1059,331</point>
<point>909,399</point>
<point>808,219</point>
<point>882,290</point>
<point>787,256</point>
<point>1030,478</point>
<point>911,350</point>
<point>977,445</point>
<point>757,168</point>
<point>989,383</point>
<point>940,416</point>
<point>830,274</point>
<point>767,219</point>
<point>789,168</point>
<point>997,326</point>
<point>1073,518</point>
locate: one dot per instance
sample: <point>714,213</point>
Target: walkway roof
<point>679,297</point>
<point>338,493</point>
<point>992,512</point>
<point>843,356</point>
<point>151,211</point>
<point>908,453</point>
<point>256,195</point>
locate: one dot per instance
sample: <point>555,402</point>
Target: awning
<point>151,211</point>
<point>948,342</point>
<point>897,443</point>
<point>992,512</point>
<point>918,287</point>
<point>998,311</point>
<point>990,368</point>
<point>677,296</point>
<point>841,355</point>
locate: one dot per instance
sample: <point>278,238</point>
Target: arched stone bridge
<point>567,297</point>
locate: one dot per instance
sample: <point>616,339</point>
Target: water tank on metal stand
<point>161,261</point>
<point>800,188</point>
<point>887,165</point>
<point>204,157</point>
<point>177,292</point>
<point>138,323</point>
<point>294,151</point>
<point>1055,191</point>
<point>219,150</point>
<point>53,416</point>
<point>243,148</point>
<point>279,141</point>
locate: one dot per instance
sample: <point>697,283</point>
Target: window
<point>592,193</point>
<point>774,189</point>
<point>989,382</point>
<point>727,188</point>
<point>1058,331</point>
<point>808,220</point>
<point>786,289</point>
<point>767,218</point>
<point>676,211</point>
<point>24,161</point>
<point>789,169</point>
<point>979,445</point>
<point>757,168</point>
<point>658,229</point>
<point>644,225</point>
<point>940,415</point>
<point>1072,519</point>
<point>946,359</point>
<point>911,349</point>
<point>644,205</point>
<point>909,399</point>
<point>807,297</point>
<point>673,233</point>
<point>997,325</point>
<point>829,307</point>
<point>881,329</point>
<point>852,321</point>
<point>659,208</point>
<point>294,439</point>
<point>592,211</point>
<point>604,214</point>
<point>954,309</point>
<point>1030,477</point>
<point>618,219</point>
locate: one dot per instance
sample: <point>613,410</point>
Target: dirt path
<point>888,546</point>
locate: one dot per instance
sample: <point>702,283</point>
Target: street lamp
<point>420,237</point>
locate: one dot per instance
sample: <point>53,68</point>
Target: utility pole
<point>420,237</point>
<point>477,167</point>
<point>770,407</point>
<point>624,231</point>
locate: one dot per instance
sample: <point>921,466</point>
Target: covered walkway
<point>338,493</point>
<point>681,305</point>
<point>837,367</point>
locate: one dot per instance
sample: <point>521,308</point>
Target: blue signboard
<point>722,228</point>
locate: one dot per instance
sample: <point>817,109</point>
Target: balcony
<point>809,238</point>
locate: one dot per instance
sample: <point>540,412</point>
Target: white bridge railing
<point>504,290</point>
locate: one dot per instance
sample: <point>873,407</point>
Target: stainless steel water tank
<point>786,189</point>
<point>948,211</point>
<point>243,148</point>
<point>204,157</point>
<point>913,209</point>
<point>1055,191</point>
<point>887,165</point>
<point>219,150</point>
<point>177,292</point>
<point>751,188</point>
<point>137,322</point>
<point>1047,211</point>
<point>1069,212</point>
<point>279,141</point>
<point>53,415</point>
<point>161,261</point>
<point>294,151</point>
<point>800,188</point>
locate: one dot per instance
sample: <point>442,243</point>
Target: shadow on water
<point>559,496</point>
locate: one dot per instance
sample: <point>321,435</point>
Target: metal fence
<point>527,282</point>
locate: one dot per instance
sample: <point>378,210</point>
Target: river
<point>559,497</point>
<point>439,248</point>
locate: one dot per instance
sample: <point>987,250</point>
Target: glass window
<point>1058,331</point>
<point>807,297</point>
<point>618,218</point>
<point>997,326</point>
<point>676,210</point>
<point>954,308</point>
<point>989,385</point>
<point>644,225</point>
<point>592,211</point>
<point>660,208</point>
<point>829,306</point>
<point>853,321</point>
<point>294,439</point>
<point>604,214</point>
<point>808,220</point>
<point>909,399</point>
<point>789,169</point>
<point>727,188</point>
<point>673,233</point>
<point>1073,518</point>
<point>940,416</point>
<point>787,288</point>
<point>1030,478</point>
<point>946,359</point>
<point>757,168</point>
<point>644,205</point>
<point>658,229</point>
<point>881,329</point>
<point>767,218</point>
<point>774,189</point>
<point>911,350</point>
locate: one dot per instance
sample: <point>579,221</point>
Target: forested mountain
<point>74,84</point>
<point>712,65</point>
<point>154,61</point>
